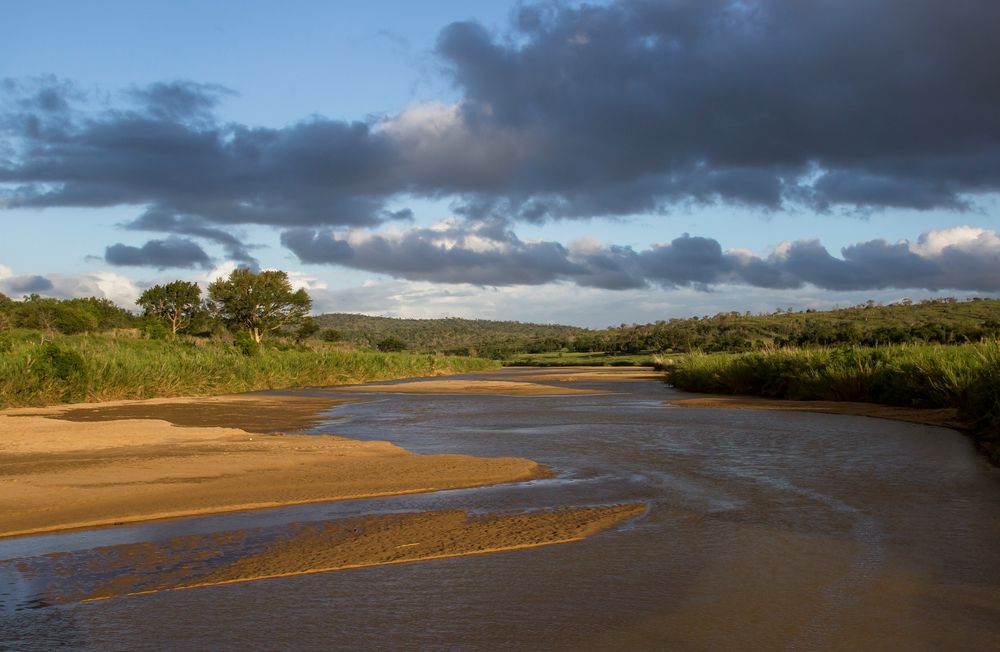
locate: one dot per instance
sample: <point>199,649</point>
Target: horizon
<point>568,163</point>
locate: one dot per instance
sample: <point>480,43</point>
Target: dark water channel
<point>766,530</point>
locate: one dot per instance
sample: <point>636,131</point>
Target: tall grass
<point>105,367</point>
<point>964,376</point>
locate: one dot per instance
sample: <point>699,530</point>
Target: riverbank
<point>38,370</point>
<point>71,467</point>
<point>962,380</point>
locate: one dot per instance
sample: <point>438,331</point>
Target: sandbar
<point>237,556</point>
<point>60,474</point>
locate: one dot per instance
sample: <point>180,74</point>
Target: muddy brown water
<point>765,530</point>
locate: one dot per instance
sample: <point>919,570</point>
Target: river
<point>764,530</point>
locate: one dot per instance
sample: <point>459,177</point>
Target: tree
<point>175,303</point>
<point>260,303</point>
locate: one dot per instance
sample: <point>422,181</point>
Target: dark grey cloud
<point>156,219</point>
<point>171,252</point>
<point>891,103</point>
<point>481,254</point>
<point>609,109</point>
<point>26,284</point>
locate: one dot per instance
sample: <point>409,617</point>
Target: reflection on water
<point>767,530</point>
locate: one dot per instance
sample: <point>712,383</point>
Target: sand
<point>495,387</point>
<point>238,556</point>
<point>944,417</point>
<point>58,474</point>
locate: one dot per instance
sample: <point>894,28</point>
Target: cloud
<point>171,252</point>
<point>487,254</point>
<point>592,307</point>
<point>108,285</point>
<point>156,219</point>
<point>574,111</point>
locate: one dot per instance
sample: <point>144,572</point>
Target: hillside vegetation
<point>481,337</point>
<point>943,321</point>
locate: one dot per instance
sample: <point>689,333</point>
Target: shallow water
<point>765,530</point>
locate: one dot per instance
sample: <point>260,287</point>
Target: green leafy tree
<point>307,328</point>
<point>175,303</point>
<point>258,302</point>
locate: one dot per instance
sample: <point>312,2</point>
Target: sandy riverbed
<point>87,466</point>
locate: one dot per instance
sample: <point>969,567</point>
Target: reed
<point>962,376</point>
<point>101,367</point>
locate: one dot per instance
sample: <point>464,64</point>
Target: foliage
<point>935,321</point>
<point>155,330</point>
<point>330,335</point>
<point>121,366</point>
<point>245,344</point>
<point>307,328</point>
<point>962,376</point>
<point>53,363</point>
<point>259,302</point>
<point>391,344</point>
<point>176,303</point>
<point>482,337</point>
<point>63,316</point>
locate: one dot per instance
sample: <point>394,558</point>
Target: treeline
<point>479,337</point>
<point>939,321</point>
<point>67,316</point>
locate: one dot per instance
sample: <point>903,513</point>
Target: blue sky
<point>588,227</point>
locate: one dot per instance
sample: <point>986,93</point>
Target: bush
<point>245,344</point>
<point>65,368</point>
<point>391,344</point>
<point>331,335</point>
<point>6,342</point>
<point>155,330</point>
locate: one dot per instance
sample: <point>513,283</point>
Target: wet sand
<point>74,467</point>
<point>944,417</point>
<point>221,558</point>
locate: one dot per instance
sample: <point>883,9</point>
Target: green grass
<point>572,359</point>
<point>963,376</point>
<point>74,368</point>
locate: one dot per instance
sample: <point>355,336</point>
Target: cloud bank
<point>963,258</point>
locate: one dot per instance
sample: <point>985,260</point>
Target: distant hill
<point>936,321</point>
<point>481,337</point>
<point>942,321</point>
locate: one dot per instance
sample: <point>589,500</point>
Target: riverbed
<point>760,530</point>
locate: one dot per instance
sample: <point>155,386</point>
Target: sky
<point>591,164</point>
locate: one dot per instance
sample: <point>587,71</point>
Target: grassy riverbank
<point>965,377</point>
<point>102,367</point>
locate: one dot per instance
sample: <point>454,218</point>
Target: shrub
<point>391,344</point>
<point>245,344</point>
